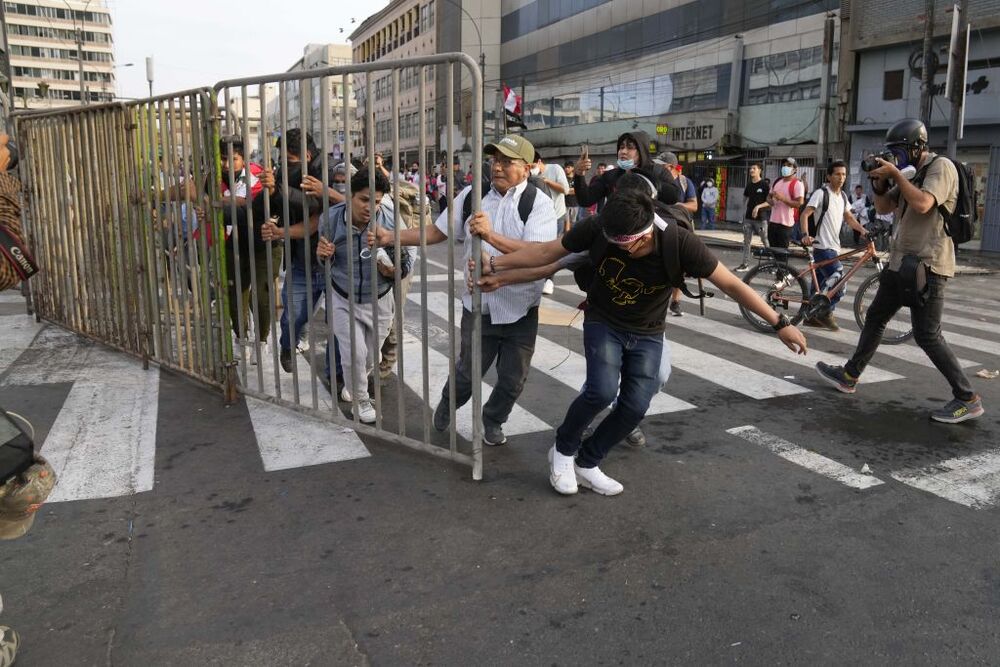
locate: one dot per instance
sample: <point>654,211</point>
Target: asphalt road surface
<point>768,520</point>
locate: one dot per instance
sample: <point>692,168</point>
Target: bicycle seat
<point>777,253</point>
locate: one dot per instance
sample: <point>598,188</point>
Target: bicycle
<point>785,287</point>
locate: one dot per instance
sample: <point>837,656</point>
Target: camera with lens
<point>869,163</point>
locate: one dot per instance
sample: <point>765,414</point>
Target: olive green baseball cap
<point>514,146</point>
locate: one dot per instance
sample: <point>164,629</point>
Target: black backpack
<point>960,223</point>
<point>817,217</point>
<point>524,205</point>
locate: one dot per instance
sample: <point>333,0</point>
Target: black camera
<point>869,163</point>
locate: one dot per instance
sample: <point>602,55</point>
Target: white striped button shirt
<point>512,302</point>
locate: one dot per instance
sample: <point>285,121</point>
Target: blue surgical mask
<point>626,164</point>
<point>786,172</point>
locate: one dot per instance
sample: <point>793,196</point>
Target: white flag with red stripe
<point>511,101</point>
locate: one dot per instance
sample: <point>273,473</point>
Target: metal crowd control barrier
<point>114,213</point>
<point>252,260</point>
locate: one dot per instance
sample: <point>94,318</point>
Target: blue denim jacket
<point>334,227</point>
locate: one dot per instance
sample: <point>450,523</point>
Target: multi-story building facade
<point>717,82</point>
<point>883,45</point>
<point>43,53</point>
<point>309,96</point>
<point>412,28</point>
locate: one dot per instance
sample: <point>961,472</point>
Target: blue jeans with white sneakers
<point>619,363</point>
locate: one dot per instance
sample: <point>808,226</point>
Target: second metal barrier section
<point>311,297</point>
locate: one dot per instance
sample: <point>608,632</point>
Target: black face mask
<point>293,177</point>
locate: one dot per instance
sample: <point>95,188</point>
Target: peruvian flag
<point>511,101</point>
<point>512,108</point>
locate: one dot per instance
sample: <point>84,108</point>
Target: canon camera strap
<point>20,259</point>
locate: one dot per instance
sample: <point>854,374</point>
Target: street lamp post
<point>79,46</point>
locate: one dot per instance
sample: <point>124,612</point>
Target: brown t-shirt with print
<point>923,234</point>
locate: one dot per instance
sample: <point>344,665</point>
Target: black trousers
<point>511,346</point>
<point>778,236</point>
<point>926,321</point>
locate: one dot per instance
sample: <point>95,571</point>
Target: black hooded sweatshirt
<point>296,198</point>
<point>602,186</point>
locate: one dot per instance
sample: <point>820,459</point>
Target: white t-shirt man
<point>555,173</point>
<point>828,233</point>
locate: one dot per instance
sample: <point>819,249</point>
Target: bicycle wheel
<point>781,289</point>
<point>897,330</point>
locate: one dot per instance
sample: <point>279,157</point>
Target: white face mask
<point>535,171</point>
<point>786,171</point>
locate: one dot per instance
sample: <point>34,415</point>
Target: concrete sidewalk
<point>971,260</point>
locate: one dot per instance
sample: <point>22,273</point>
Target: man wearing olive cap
<point>505,223</point>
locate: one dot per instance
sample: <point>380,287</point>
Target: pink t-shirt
<point>781,213</point>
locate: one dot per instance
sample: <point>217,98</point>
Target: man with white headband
<point>636,256</point>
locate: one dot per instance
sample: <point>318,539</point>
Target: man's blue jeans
<point>824,272</point>
<point>619,364</point>
<point>301,307</point>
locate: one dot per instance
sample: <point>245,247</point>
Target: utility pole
<point>79,58</point>
<point>824,95</point>
<point>958,66</point>
<point>928,65</point>
<point>149,73</point>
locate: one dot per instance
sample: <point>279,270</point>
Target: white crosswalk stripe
<point>973,481</point>
<point>554,360</point>
<point>720,371</point>
<point>520,422</point>
<point>905,352</point>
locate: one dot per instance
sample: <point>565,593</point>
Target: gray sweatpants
<point>750,227</point>
<point>368,342</point>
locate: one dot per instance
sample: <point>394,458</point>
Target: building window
<point>892,85</point>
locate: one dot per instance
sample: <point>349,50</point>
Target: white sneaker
<point>345,395</point>
<point>597,481</point>
<point>549,287</point>
<point>561,474</point>
<point>366,412</point>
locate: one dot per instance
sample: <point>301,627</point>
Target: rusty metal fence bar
<point>308,288</point>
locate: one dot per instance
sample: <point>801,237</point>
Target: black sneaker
<point>956,411</point>
<point>493,435</point>
<point>742,268</point>
<point>838,377</point>
<point>675,308</point>
<point>636,438</point>
<point>285,357</point>
<point>441,416</point>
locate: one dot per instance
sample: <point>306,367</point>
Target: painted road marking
<point>719,371</point>
<point>572,371</point>
<point>973,481</point>
<point>16,334</point>
<point>770,346</point>
<point>103,442</point>
<point>907,352</point>
<point>290,439</point>
<point>520,421</point>
<point>805,458</point>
